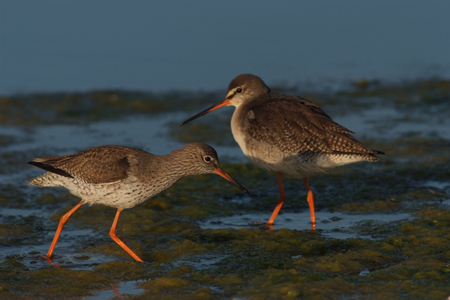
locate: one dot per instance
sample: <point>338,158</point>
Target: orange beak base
<point>223,102</point>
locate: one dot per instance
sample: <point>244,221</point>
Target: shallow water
<point>122,288</point>
<point>203,238</point>
<point>207,43</point>
<point>148,133</point>
<point>329,224</point>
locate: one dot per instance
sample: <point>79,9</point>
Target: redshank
<point>123,177</point>
<point>287,135</point>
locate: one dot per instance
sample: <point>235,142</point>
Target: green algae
<point>279,264</point>
<point>203,131</point>
<point>372,206</point>
<point>81,108</point>
<point>408,259</point>
<point>176,249</point>
<point>122,270</point>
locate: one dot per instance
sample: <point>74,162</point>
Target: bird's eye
<point>207,159</point>
<point>238,90</point>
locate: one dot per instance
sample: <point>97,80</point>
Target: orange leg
<point>310,199</point>
<point>112,234</point>
<point>62,222</point>
<point>281,199</point>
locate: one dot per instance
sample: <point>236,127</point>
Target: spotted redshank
<point>123,177</point>
<point>287,135</point>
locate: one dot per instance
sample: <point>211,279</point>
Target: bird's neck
<point>178,165</point>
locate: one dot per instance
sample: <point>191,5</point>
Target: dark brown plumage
<point>295,125</point>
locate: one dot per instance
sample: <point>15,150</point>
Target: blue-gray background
<point>161,45</point>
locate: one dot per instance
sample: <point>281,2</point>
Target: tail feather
<point>373,156</point>
<point>47,179</point>
<point>378,152</point>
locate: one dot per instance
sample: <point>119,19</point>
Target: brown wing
<point>95,165</point>
<point>295,125</point>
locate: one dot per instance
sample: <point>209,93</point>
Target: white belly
<point>123,195</point>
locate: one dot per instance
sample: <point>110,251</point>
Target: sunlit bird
<point>123,177</point>
<point>287,135</point>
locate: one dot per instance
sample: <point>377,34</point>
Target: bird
<point>288,135</point>
<point>122,177</point>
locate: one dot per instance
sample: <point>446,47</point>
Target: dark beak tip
<point>244,190</point>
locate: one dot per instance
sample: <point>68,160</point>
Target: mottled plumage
<point>95,165</point>
<point>123,177</point>
<point>287,134</point>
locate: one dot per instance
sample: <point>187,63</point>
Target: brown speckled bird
<point>287,134</point>
<point>123,177</point>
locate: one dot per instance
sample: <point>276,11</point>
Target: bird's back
<point>103,164</point>
<point>279,129</point>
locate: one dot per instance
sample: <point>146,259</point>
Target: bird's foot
<point>266,226</point>
<point>50,261</point>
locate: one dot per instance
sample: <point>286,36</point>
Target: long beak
<point>222,173</point>
<point>221,103</point>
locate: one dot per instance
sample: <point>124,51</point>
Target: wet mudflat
<point>382,228</point>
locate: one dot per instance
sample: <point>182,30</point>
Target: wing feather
<point>102,164</point>
<point>297,125</point>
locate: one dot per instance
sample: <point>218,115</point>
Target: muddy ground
<point>382,228</point>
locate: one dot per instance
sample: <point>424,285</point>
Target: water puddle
<point>7,212</point>
<point>148,133</point>
<point>381,122</point>
<point>437,184</point>
<point>122,289</point>
<point>330,224</point>
<point>65,255</point>
<point>145,132</point>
